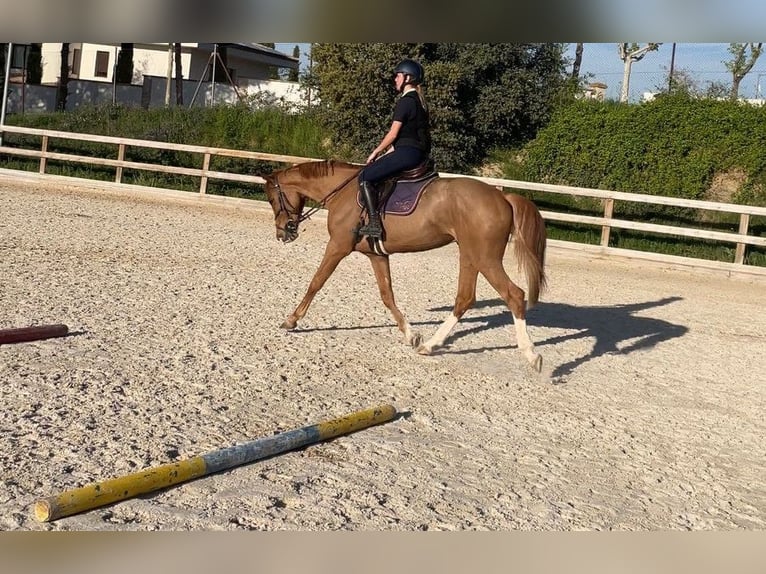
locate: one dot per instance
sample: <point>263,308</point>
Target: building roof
<point>267,55</point>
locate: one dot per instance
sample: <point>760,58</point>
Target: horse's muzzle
<point>289,233</point>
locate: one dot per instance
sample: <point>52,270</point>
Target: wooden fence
<point>741,239</point>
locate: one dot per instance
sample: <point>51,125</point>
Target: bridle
<point>295,216</point>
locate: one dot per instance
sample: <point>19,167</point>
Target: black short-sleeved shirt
<point>415,130</point>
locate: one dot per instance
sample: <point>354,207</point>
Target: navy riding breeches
<point>397,161</point>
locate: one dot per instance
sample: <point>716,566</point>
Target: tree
<point>35,64</point>
<point>179,73</point>
<point>293,75</point>
<point>480,96</point>
<point>273,70</point>
<point>62,91</point>
<point>680,81</point>
<point>740,64</point>
<point>223,60</point>
<point>577,62</point>
<point>3,53</point>
<point>124,71</point>
<point>630,53</point>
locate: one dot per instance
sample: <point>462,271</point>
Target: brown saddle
<point>400,194</point>
<point>426,168</point>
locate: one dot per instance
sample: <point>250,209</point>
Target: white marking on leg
<point>525,343</point>
<point>438,338</point>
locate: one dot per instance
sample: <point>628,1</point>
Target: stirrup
<point>372,233</point>
<point>372,229</point>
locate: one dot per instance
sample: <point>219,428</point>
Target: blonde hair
<point>421,95</point>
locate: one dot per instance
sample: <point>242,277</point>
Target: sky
<point>704,62</point>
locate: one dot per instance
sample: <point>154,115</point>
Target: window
<point>76,61</point>
<point>18,56</point>
<point>102,64</point>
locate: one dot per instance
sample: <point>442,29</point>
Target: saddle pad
<point>404,198</point>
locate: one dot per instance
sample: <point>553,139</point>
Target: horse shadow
<point>616,329</point>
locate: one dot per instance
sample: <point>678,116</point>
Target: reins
<point>286,206</point>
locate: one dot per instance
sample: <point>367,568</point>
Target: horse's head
<point>287,205</point>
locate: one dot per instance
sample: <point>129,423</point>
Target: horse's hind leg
<point>514,298</point>
<point>382,270</point>
<point>466,296</point>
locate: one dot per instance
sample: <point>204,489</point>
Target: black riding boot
<point>374,228</point>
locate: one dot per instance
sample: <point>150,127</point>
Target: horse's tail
<point>529,241</point>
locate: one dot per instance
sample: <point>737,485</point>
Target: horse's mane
<point>316,169</point>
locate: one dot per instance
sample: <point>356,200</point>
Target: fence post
<point>605,229</point>
<point>744,223</point>
<point>43,156</point>
<point>120,157</point>
<point>205,167</point>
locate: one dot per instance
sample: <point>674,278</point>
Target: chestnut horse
<point>479,217</point>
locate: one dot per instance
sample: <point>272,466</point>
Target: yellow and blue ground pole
<point>113,490</point>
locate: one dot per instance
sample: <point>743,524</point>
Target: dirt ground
<point>652,417</point>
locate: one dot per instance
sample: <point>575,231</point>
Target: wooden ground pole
<point>32,333</point>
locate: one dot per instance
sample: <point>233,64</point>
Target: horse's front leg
<point>333,255</point>
<point>382,269</point>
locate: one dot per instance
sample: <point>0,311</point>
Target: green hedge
<point>267,129</point>
<point>672,146</point>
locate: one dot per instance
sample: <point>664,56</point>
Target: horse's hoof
<point>289,325</point>
<point>423,350</point>
<point>537,363</point>
<point>415,340</point>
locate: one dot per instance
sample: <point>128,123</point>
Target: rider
<point>409,137</point>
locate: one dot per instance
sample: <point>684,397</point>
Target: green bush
<point>672,146</point>
<point>269,130</point>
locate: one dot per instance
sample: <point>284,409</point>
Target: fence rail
<point>741,239</point>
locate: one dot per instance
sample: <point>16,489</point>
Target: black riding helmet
<point>412,69</point>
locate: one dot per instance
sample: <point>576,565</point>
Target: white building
<point>97,62</point>
<point>212,73</point>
